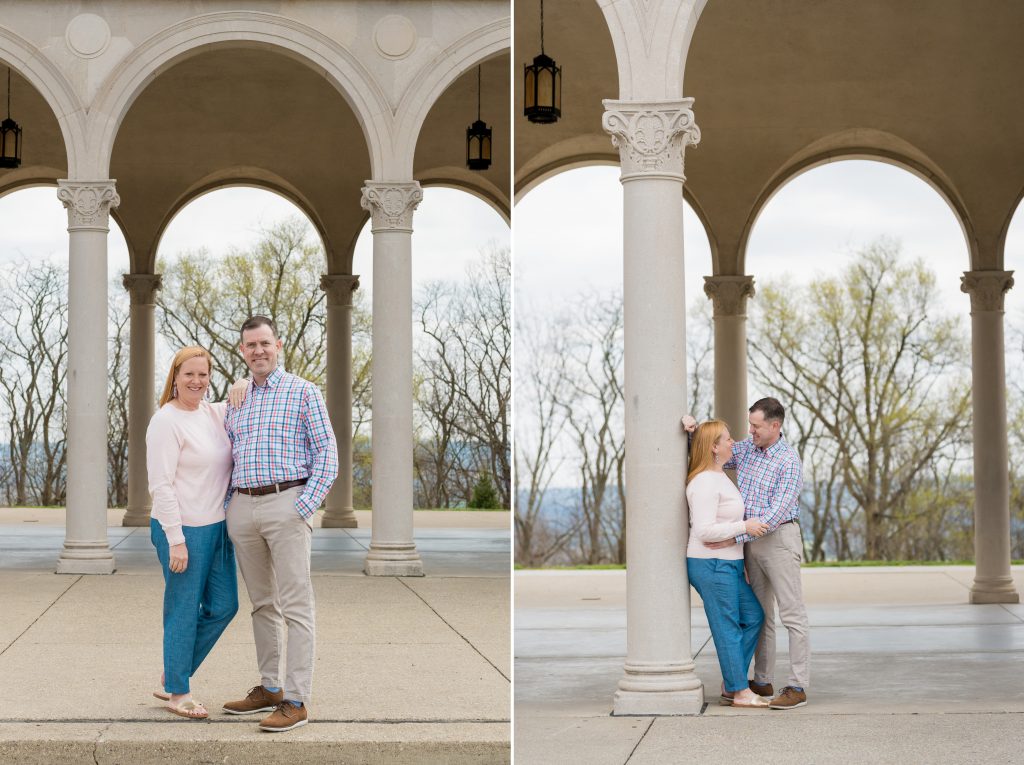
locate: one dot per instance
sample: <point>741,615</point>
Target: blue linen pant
<point>199,602</point>
<point>734,614</point>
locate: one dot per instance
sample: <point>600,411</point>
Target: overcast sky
<point>568,232</point>
<point>451,227</point>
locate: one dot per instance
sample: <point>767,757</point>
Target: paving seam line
<point>1011,613</point>
<point>355,539</point>
<point>640,740</point>
<point>33,624</point>
<point>410,589</point>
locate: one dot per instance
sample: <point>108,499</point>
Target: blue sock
<point>272,690</point>
<point>294,703</point>
<point>797,688</point>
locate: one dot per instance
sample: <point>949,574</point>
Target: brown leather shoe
<point>285,717</point>
<point>789,698</point>
<point>762,689</point>
<point>258,700</point>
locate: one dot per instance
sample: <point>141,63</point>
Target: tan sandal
<point>192,710</point>
<point>758,703</point>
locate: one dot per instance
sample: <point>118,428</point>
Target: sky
<point>568,232</point>
<point>451,228</point>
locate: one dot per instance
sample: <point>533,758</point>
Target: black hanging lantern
<point>10,135</point>
<point>478,137</point>
<point>542,88</point>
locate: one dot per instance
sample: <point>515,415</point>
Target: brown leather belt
<point>274,488</point>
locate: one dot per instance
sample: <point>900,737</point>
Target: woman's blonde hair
<point>706,436</point>
<point>191,352</point>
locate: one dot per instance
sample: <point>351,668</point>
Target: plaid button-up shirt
<point>282,433</point>
<point>770,481</point>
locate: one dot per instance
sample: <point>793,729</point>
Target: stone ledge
<point>106,743</point>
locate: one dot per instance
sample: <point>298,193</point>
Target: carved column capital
<point>391,205</point>
<point>729,294</point>
<point>339,288</point>
<point>651,136</point>
<point>142,287</point>
<point>986,289</point>
<point>88,203</point>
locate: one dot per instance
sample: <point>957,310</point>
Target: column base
<point>339,518</point>
<point>994,590</point>
<point>661,703</point>
<point>86,558</point>
<point>393,559</point>
<point>136,516</point>
<point>658,688</point>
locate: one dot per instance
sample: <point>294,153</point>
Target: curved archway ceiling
<point>235,108</point>
<point>42,141</point>
<point>771,77</point>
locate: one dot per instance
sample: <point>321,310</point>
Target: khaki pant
<point>272,544</point>
<point>773,564</point>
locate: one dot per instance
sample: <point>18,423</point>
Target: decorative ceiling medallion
<point>87,35</point>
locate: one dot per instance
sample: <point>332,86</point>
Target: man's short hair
<point>771,408</point>
<point>258,321</point>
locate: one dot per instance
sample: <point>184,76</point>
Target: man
<point>769,476</point>
<point>285,460</point>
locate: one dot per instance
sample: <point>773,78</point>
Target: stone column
<point>339,289</point>
<point>659,674</point>
<point>992,580</point>
<point>86,548</point>
<point>141,397</point>
<point>729,296</point>
<point>392,549</point>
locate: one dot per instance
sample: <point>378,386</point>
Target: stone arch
<point>428,85</point>
<point>251,177</point>
<point>1017,208</point>
<point>243,29</point>
<point>52,85</point>
<point>916,165</point>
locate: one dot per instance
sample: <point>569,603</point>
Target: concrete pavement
<point>408,670</point>
<point>903,671</point>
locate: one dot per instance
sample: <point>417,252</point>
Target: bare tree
<point>541,417</point>
<point>594,411</point>
<point>117,399</point>
<point>204,301</point>
<point>867,359</point>
<point>33,365</point>
<point>463,390</point>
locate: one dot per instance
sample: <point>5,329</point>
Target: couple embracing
<point>745,551</point>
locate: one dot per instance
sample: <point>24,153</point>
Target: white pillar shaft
<point>659,670</point>
<point>729,295</point>
<point>993,582</point>
<point>392,549</point>
<point>339,512</point>
<point>86,548</point>
<point>141,395</point>
<point>731,373</point>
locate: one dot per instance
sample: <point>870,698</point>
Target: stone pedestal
<point>992,580</point>
<point>729,296</point>
<point>141,397</point>
<point>86,547</point>
<point>659,674</point>
<point>392,549</point>
<point>339,288</point>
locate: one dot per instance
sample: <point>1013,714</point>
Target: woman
<point>188,455</point>
<point>716,514</point>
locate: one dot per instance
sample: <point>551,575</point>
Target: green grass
<point>815,564</point>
